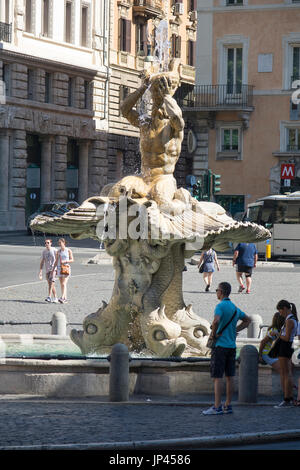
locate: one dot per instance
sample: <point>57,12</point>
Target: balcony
<point>5,32</point>
<point>148,8</point>
<point>217,97</point>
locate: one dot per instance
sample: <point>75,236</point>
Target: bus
<point>281,215</point>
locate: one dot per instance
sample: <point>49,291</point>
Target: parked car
<point>51,209</point>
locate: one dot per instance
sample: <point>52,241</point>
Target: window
<point>192,5</point>
<point>293,139</point>
<point>28,16</point>
<point>71,87</point>
<point>84,26</point>
<point>124,92</point>
<point>87,89</point>
<point>48,87</point>
<point>296,63</point>
<point>68,22</point>
<point>30,84</point>
<point>191,53</point>
<point>7,12</point>
<point>6,78</point>
<point>175,46</point>
<point>45,18</point>
<point>124,35</point>
<point>234,2</point>
<point>234,69</point>
<point>229,141</point>
<point>141,40</point>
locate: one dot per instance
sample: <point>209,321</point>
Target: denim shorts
<point>222,361</point>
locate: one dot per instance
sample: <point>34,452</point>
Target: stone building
<point>243,122</point>
<point>133,24</point>
<point>54,104</point>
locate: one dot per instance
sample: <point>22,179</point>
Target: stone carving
<point>149,227</point>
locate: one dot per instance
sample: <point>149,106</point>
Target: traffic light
<point>197,191</point>
<point>216,186</point>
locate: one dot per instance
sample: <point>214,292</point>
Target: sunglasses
<point>47,243</point>
<point>218,290</point>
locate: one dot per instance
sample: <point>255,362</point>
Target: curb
<point>168,444</point>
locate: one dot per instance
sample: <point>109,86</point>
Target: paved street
<point>22,294</point>
<point>34,421</point>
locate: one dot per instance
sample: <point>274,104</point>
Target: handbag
<point>274,351</point>
<point>201,269</point>
<point>64,268</point>
<point>211,342</point>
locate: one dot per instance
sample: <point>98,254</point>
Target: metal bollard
<point>248,374</point>
<point>254,330</point>
<point>59,324</point>
<point>119,373</point>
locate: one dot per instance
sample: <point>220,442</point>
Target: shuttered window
<point>124,35</point>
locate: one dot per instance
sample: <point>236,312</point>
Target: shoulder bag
<point>64,268</point>
<point>211,342</point>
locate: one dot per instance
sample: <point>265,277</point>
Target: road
<point>22,294</point>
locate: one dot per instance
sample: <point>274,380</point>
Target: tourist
<point>223,355</point>
<point>245,257</point>
<point>64,257</point>
<point>207,263</point>
<point>48,258</point>
<point>285,351</point>
<point>266,343</point>
<point>297,402</point>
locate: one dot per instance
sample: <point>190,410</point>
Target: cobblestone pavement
<point>43,422</point>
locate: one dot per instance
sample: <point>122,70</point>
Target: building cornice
<point>241,8</point>
<point>48,63</point>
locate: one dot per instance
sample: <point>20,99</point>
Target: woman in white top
<point>64,257</point>
<point>287,334</point>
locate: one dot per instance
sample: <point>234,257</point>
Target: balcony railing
<point>5,32</point>
<point>293,148</point>
<point>212,97</point>
<point>148,8</point>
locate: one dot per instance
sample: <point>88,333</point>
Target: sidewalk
<point>145,422</point>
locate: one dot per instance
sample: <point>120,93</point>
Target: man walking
<point>245,257</point>
<point>223,353</point>
<point>48,258</point>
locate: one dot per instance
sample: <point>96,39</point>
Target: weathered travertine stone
<point>149,227</point>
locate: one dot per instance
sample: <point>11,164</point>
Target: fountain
<point>150,227</point>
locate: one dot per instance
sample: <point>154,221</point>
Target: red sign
<point>287,171</point>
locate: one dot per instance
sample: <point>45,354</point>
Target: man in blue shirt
<point>245,257</point>
<point>224,352</point>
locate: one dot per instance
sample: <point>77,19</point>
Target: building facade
<point>241,113</point>
<point>133,25</point>
<point>54,104</point>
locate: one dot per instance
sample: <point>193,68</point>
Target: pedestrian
<point>64,257</point>
<point>266,343</point>
<point>223,355</point>
<point>297,402</point>
<point>285,351</point>
<point>245,257</point>
<point>48,259</point>
<point>207,261</point>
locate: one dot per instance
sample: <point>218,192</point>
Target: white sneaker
<point>285,404</point>
<point>213,411</point>
<point>48,299</point>
<point>55,301</point>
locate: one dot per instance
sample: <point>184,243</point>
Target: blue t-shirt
<point>225,310</point>
<point>247,251</point>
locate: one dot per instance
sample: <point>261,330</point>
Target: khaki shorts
<point>50,277</point>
